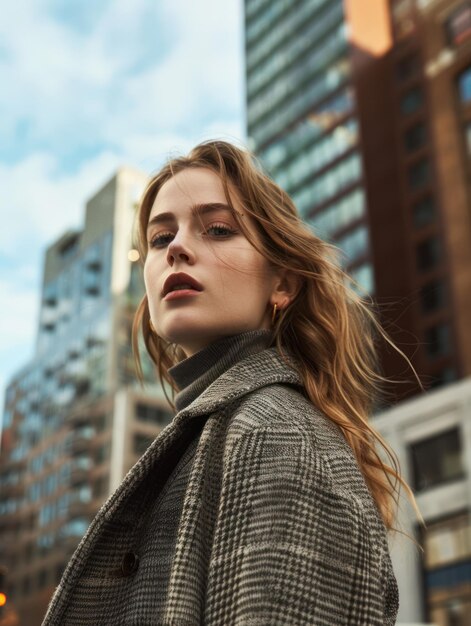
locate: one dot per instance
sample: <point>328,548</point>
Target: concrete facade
<point>431,436</point>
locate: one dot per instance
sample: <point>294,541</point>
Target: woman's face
<point>236,281</point>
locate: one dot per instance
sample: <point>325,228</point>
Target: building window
<point>91,283</point>
<point>354,244</point>
<point>102,453</point>
<point>59,571</point>
<point>423,212</point>
<point>464,85</point>
<point>141,443</point>
<point>438,339</point>
<point>153,414</point>
<point>50,295</point>
<point>315,157</point>
<point>28,553</point>
<point>336,216</point>
<point>100,486</point>
<point>364,276</point>
<point>446,541</point>
<point>407,68</point>
<point>468,138</point>
<point>26,587</point>
<point>437,460</point>
<point>411,101</point>
<point>448,569</point>
<point>419,174</point>
<point>432,296</point>
<point>42,578</point>
<point>76,527</point>
<point>69,247</point>
<point>454,607</point>
<point>415,137</point>
<point>428,254</point>
<point>458,25</point>
<point>443,377</point>
<point>329,184</point>
<point>12,589</point>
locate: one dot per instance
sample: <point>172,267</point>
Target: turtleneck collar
<point>194,374</point>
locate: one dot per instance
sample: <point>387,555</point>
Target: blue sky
<point>88,86</point>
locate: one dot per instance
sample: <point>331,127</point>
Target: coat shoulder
<point>289,415</point>
<point>284,408</point>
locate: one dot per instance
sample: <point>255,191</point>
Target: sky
<point>88,86</point>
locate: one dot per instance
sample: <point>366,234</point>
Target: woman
<point>264,501</point>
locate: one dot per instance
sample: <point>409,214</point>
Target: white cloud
<point>39,205</point>
<point>134,83</point>
<point>78,91</point>
<point>61,92</point>
<point>19,312</point>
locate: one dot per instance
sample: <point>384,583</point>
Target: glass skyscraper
<point>301,118</point>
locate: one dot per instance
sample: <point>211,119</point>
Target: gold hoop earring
<point>275,307</point>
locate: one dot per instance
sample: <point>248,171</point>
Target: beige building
<point>75,418</point>
<point>432,438</point>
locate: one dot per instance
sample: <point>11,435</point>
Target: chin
<point>186,338</point>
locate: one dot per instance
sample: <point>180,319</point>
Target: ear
<point>286,288</point>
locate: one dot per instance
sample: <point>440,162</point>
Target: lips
<point>174,280</point>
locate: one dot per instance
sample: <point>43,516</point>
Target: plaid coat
<point>276,526</point>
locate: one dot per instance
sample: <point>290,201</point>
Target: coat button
<point>129,564</point>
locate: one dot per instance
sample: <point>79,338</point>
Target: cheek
<point>244,272</point>
<point>151,274</point>
<point>243,258</point>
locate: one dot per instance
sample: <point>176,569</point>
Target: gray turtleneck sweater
<point>194,374</point>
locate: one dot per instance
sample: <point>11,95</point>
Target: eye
<point>159,241</point>
<point>222,229</point>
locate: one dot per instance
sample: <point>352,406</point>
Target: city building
<point>75,417</point>
<point>302,120</point>
<point>363,115</point>
<point>431,436</point>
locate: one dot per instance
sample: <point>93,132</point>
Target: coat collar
<point>249,374</point>
<point>254,372</point>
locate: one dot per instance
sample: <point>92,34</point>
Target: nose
<point>179,249</point>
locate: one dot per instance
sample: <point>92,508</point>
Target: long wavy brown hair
<point>329,328</point>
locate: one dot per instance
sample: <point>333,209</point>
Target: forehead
<point>190,187</point>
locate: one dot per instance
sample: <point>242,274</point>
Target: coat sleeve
<point>287,548</point>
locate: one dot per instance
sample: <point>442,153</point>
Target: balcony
<point>78,475</point>
<point>7,522</point>
<point>80,440</point>
<point>80,469</point>
<point>78,445</point>
<point>80,509</point>
<point>14,463</point>
<point>64,397</point>
<point>13,490</point>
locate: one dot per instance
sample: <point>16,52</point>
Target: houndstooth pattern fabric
<point>247,510</point>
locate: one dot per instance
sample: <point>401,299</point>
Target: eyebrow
<point>197,209</point>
